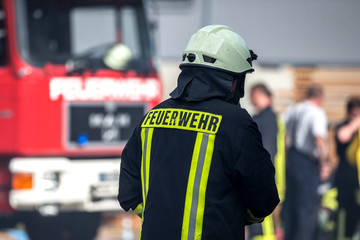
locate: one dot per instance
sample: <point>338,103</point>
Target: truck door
<point>6,91</point>
<point>6,125</point>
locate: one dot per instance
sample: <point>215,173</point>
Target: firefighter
<point>307,157</point>
<point>273,133</point>
<point>195,167</point>
<point>347,175</point>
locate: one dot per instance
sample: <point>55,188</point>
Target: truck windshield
<point>60,30</point>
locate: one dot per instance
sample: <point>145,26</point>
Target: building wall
<point>308,32</point>
<point>285,34</point>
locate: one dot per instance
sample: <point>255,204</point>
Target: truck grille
<point>102,124</point>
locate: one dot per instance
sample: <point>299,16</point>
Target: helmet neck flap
<point>198,84</point>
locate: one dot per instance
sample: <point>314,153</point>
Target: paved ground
<point>124,226</point>
<point>115,226</point>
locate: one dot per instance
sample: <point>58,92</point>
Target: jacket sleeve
<point>129,195</point>
<point>257,173</point>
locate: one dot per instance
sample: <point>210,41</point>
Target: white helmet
<point>219,47</point>
<point>118,57</point>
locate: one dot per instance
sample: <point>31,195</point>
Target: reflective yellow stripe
<point>190,187</point>
<point>264,238</point>
<point>146,139</point>
<point>183,119</point>
<point>203,185</point>
<point>259,237</point>
<point>279,160</point>
<point>143,145</point>
<point>329,200</point>
<point>267,230</point>
<point>341,234</point>
<point>148,152</point>
<point>251,218</point>
<point>268,227</point>
<point>196,188</point>
<point>138,209</point>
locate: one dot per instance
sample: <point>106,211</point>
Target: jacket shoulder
<point>237,115</point>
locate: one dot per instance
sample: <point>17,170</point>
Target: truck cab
<point>76,77</point>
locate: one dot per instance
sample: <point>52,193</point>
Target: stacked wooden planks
<point>338,83</point>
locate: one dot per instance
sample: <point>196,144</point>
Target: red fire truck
<point>76,76</point>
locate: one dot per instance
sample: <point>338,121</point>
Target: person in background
<point>195,167</point>
<point>273,136</point>
<point>347,173</point>
<point>306,125</point>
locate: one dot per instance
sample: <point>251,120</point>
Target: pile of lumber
<point>338,84</point>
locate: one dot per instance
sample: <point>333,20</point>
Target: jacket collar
<point>199,84</point>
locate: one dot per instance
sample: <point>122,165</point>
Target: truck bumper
<point>66,185</point>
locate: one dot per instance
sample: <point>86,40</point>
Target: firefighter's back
<point>193,187</point>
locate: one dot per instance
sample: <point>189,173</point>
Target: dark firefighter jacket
<point>195,166</point>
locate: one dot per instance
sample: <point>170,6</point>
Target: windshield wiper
<point>91,59</point>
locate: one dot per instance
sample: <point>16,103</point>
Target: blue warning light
<point>82,139</point>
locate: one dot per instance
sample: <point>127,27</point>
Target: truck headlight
<point>50,180</point>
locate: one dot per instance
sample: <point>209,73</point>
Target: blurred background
<point>46,67</point>
<point>297,43</point>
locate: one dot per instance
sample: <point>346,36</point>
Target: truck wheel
<point>65,226</point>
